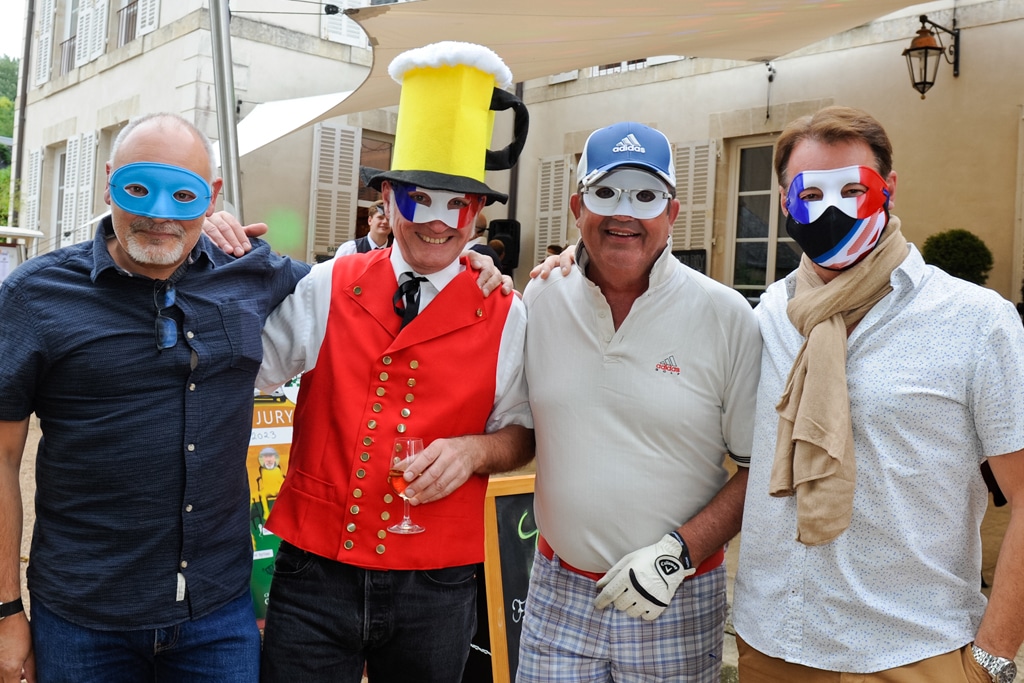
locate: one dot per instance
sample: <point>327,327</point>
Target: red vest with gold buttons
<point>434,379</point>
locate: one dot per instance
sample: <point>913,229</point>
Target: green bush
<point>960,253</point>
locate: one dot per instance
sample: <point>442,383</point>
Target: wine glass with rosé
<point>406,448</point>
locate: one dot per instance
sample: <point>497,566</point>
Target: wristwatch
<point>11,608</point>
<point>1001,669</point>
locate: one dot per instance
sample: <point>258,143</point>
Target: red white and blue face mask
<point>837,216</point>
<point>421,205</point>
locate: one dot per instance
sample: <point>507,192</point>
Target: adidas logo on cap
<point>629,144</point>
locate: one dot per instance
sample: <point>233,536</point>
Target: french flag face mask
<point>421,205</point>
<point>837,216</point>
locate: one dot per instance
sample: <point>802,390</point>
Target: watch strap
<point>11,608</point>
<point>1000,669</point>
<point>684,556</point>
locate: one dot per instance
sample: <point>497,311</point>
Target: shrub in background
<point>960,253</point>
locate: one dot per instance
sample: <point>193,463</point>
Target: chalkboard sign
<point>511,540</point>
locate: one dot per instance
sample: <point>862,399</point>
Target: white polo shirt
<point>633,424</point>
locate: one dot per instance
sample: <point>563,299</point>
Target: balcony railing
<point>127,21</point>
<point>67,55</point>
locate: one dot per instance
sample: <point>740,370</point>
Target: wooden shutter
<point>69,201</point>
<point>86,180</point>
<point>148,16</point>
<point>44,43</point>
<point>28,217</point>
<point>340,29</point>
<point>552,204</point>
<point>98,41</point>
<point>83,33</point>
<point>695,189</point>
<point>332,205</point>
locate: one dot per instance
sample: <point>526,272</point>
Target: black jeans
<point>325,619</point>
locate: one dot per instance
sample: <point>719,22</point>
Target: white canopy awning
<point>539,38</point>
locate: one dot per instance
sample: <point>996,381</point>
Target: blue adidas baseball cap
<point>626,144</point>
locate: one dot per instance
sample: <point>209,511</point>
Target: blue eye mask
<point>160,191</point>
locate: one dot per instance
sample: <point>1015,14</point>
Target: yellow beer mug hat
<point>450,91</point>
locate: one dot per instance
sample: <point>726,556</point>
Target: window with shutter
<point>332,204</point>
<point>552,204</point>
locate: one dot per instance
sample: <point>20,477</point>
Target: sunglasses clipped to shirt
<point>164,296</point>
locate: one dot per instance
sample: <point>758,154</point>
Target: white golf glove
<point>642,583</point>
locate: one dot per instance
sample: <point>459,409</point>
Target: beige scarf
<point>814,455</point>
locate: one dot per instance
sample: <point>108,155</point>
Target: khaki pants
<point>957,666</point>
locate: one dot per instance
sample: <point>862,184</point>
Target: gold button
<point>348,545</point>
<point>406,412</point>
<point>479,312</point>
<point>360,473</point>
<point>377,407</point>
<point>358,493</point>
<point>382,534</point>
<point>412,382</point>
<point>386,360</point>
<point>367,441</point>
<point>380,549</point>
<point>372,424</point>
<point>401,429</point>
<point>351,527</point>
<point>380,391</point>
<point>414,364</point>
<point>364,456</point>
<point>388,498</point>
<point>357,290</point>
<point>385,515</point>
<point>383,377</point>
<point>408,398</point>
<point>354,509</point>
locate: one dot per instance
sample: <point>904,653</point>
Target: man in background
<point>378,237</point>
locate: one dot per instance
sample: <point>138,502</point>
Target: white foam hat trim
<point>451,53</point>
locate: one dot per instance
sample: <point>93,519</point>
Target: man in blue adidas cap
<point>642,375</point>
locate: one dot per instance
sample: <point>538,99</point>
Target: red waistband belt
<point>714,560</point>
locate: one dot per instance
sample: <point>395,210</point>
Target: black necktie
<point>408,289</point>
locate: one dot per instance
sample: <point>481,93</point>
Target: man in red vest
<point>399,342</point>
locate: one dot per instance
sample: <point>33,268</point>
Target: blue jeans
<point>325,619</point>
<point>221,647</point>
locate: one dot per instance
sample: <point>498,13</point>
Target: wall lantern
<point>924,54</point>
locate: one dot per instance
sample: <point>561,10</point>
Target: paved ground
<point>992,535</point>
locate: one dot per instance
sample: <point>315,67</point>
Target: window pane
<point>752,216</point>
<point>756,168</point>
<point>787,258</point>
<point>751,263</point>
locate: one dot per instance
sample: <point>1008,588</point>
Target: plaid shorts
<point>566,639</point>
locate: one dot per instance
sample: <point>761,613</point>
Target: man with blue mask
<point>138,352</point>
<point>885,383</point>
<point>642,376</point>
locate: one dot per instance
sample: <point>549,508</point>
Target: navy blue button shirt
<point>140,472</point>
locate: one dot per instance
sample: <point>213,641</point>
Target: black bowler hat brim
<point>432,180</point>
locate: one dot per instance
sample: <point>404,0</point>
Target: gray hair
<point>162,118</point>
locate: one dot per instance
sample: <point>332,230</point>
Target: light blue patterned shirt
<point>935,374</point>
